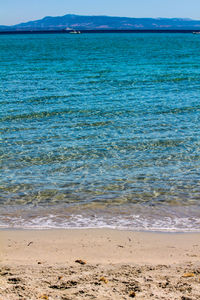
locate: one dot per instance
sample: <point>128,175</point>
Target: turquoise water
<point>100,130</point>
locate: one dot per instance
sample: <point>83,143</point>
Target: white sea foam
<point>77,221</point>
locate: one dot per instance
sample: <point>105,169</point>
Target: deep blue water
<point>100,130</point>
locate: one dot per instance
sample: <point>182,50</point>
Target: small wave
<point>169,222</point>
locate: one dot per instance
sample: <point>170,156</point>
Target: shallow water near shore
<point>100,130</point>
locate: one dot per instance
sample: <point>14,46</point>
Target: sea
<point>100,130</point>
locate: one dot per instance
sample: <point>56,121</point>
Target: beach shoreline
<point>98,264</point>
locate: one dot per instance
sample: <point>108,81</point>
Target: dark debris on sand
<point>99,282</point>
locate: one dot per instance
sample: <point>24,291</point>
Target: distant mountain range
<point>104,23</point>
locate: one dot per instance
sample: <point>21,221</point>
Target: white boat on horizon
<point>75,32</point>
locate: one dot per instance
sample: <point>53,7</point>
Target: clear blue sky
<point>16,11</point>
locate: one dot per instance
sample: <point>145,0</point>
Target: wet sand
<point>111,264</point>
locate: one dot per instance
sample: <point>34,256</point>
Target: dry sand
<point>118,265</point>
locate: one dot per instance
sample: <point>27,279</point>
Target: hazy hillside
<point>104,22</point>
<point>2,27</point>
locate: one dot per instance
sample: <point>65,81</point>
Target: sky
<point>17,11</point>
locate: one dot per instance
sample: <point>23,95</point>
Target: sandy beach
<point>98,264</point>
